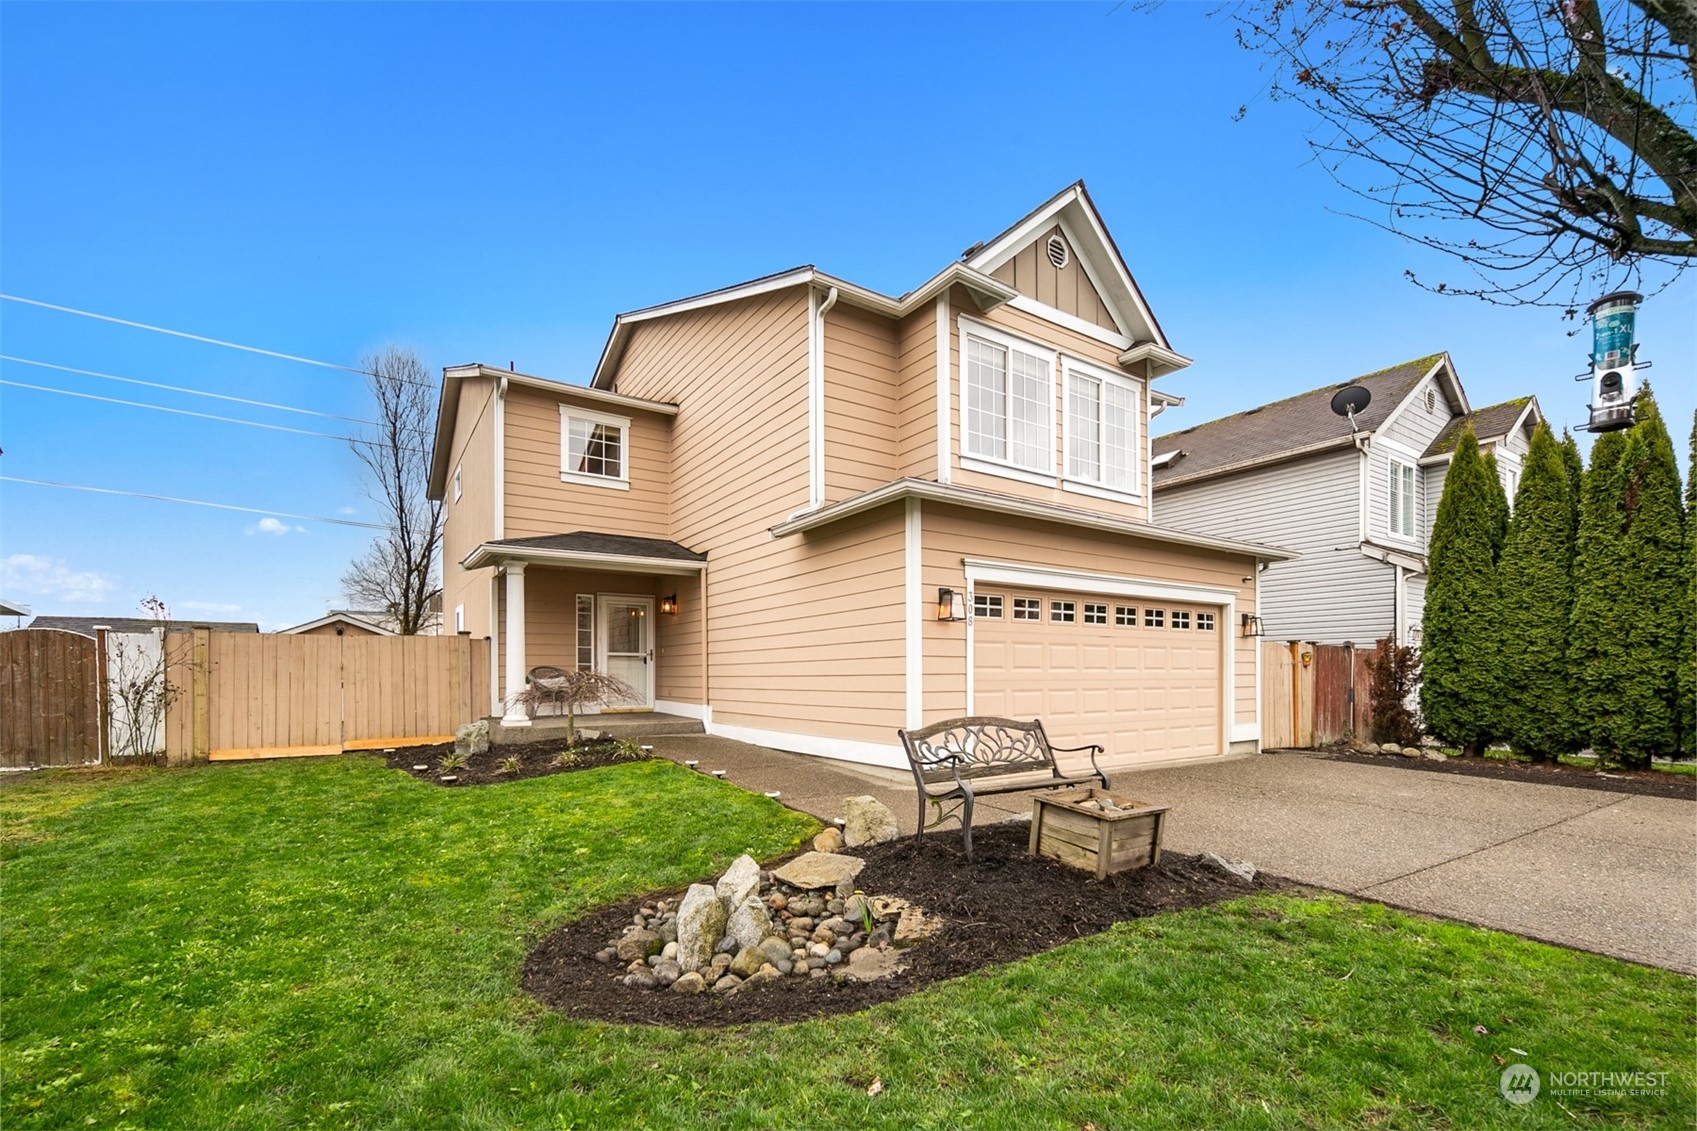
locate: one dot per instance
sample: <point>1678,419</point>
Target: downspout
<point>816,398</point>
<point>1363,444</point>
<point>1149,462</point>
<point>500,447</point>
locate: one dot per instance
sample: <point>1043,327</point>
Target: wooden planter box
<point>1083,836</point>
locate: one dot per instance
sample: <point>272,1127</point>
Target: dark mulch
<point>1003,906</point>
<point>535,761</point>
<point>1646,783</point>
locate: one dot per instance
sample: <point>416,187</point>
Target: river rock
<point>701,923</point>
<point>813,870</point>
<point>690,983</point>
<point>472,739</point>
<point>831,840</point>
<point>1242,869</point>
<point>726,984</point>
<point>748,960</point>
<point>775,949</point>
<point>637,944</point>
<point>740,881</point>
<point>667,972</point>
<point>866,820</point>
<point>868,965</point>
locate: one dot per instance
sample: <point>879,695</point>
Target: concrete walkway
<point>1607,872</point>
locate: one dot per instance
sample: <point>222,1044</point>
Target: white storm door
<point>627,646</point>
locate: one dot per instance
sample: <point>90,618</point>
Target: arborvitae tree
<point>1458,691</point>
<point>1535,576</point>
<point>1688,648</point>
<point>1652,583</point>
<point>1575,465</point>
<point>1593,637</point>
<point>1499,506</point>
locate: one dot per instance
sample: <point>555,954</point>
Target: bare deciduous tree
<point>137,691</point>
<point>397,574</point>
<point>1558,132</point>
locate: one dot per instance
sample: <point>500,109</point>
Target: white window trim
<point>458,481</point>
<point>972,461</point>
<point>459,619</point>
<point>569,413</point>
<point>1096,488</point>
<point>1385,453</point>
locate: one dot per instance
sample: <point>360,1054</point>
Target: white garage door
<point>1142,679</point>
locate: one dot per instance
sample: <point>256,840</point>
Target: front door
<point>627,647</point>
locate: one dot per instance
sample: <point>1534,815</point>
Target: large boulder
<point>472,738</point>
<point>701,924</point>
<point>749,923</point>
<point>866,820</point>
<point>739,883</point>
<point>814,870</point>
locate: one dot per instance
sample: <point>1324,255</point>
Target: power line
<point>193,502</point>
<point>200,415</point>
<point>193,392</point>
<point>197,337</point>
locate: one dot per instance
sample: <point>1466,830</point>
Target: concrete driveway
<point>1606,872</point>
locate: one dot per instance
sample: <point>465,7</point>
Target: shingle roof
<point>1487,422</point>
<point>589,542</point>
<point>85,625</point>
<point>1290,425</point>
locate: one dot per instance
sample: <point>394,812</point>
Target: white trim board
<point>681,709</point>
<point>842,749</point>
<point>913,586</point>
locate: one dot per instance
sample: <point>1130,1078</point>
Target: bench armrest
<point>1095,748</point>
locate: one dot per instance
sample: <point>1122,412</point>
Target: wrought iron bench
<point>961,759</point>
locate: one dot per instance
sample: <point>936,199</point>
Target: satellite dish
<point>1350,400</point>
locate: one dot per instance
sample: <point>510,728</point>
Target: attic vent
<point>1431,400</point>
<point>1056,249</point>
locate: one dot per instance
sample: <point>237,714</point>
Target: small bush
<point>1396,674</point>
<point>624,750</point>
<point>509,765</point>
<point>452,762</point>
<point>564,759</point>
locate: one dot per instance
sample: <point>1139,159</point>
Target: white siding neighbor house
<point>1356,500</point>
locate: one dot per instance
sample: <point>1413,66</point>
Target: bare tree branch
<point>397,574</point>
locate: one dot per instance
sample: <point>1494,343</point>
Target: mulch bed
<point>1004,905</point>
<point>1645,783</point>
<point>535,761</point>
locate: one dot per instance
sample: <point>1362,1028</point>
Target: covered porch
<point>634,608</point>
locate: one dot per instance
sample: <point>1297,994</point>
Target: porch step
<point>636,725</point>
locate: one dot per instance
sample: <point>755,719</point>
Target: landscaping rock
<point>831,840</point>
<point>1243,870</point>
<point>666,972</point>
<point>726,984</point>
<point>690,983</point>
<point>748,960</point>
<point>867,965</point>
<point>814,870</point>
<point>866,820</point>
<point>749,923</point>
<point>637,944</point>
<point>472,739</point>
<point>701,923</point>
<point>740,881</point>
<point>1369,747</point>
<point>641,980</point>
<point>775,949</point>
<point>1411,752</point>
<point>1437,756</point>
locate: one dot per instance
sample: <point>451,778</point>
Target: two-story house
<point>1355,498</point>
<point>809,514</point>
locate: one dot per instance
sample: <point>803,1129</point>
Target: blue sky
<point>493,183</point>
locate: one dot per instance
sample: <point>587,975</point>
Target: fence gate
<point>49,698</point>
<point>1334,692</point>
<point>1287,695</point>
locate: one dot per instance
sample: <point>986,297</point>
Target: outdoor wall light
<point>1251,624</point>
<point>669,605</point>
<point>950,605</point>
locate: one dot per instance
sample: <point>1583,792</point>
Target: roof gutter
<point>928,490</point>
<point>489,555</point>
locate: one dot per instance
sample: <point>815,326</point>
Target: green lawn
<point>327,943</point>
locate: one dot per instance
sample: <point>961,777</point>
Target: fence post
<point>200,675</point>
<point>102,695</point>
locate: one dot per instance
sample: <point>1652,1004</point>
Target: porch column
<point>515,716</point>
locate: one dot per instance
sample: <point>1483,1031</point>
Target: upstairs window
<point>594,448</point>
<point>1007,401</point>
<point>1402,499</point>
<point>1101,429</point>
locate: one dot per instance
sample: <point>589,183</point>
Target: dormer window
<point>594,448</point>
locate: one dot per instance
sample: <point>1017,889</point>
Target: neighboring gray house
<point>87,625</point>
<point>1357,504</point>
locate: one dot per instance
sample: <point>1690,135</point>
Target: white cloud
<point>33,575</point>
<point>347,510</point>
<point>269,525</point>
<point>208,607</point>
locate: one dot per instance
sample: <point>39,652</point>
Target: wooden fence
<point>49,701</point>
<point>240,696</point>
<point>1314,694</point>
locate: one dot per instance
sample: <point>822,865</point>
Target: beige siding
<point>861,421</point>
<point>1068,289</point>
<point>539,502</point>
<point>917,401</point>
<point>952,534</point>
<point>470,520</point>
<point>1059,338</point>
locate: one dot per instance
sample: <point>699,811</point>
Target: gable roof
<point>1141,335</point>
<point>1487,423</point>
<point>86,625</point>
<point>345,618</point>
<point>1288,428</point>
